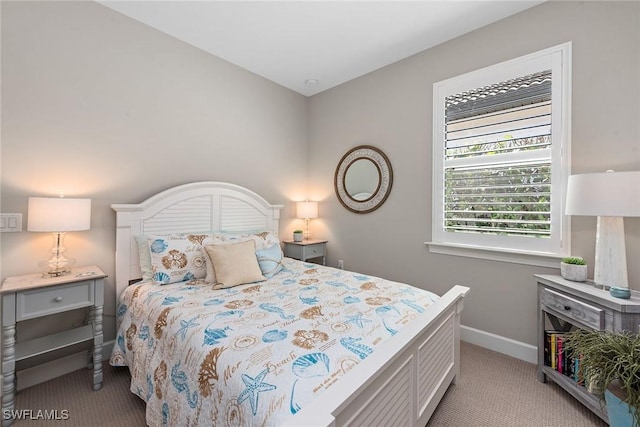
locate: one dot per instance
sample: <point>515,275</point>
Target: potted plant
<point>574,269</point>
<point>297,235</point>
<point>611,360</point>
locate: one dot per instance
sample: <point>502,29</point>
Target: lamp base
<point>611,258</point>
<point>57,269</point>
<point>307,233</point>
<point>58,264</point>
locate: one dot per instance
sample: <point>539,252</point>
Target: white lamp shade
<point>604,194</point>
<point>58,214</point>
<point>307,210</point>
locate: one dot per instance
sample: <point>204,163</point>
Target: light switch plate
<point>10,222</point>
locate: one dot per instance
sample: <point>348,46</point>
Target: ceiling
<point>311,46</point>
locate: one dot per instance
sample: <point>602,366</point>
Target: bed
<point>310,345</point>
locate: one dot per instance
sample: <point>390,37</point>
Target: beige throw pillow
<point>234,263</point>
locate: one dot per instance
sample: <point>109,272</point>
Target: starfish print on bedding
<point>358,320</point>
<point>255,386</point>
<point>185,325</point>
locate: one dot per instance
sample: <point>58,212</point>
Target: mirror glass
<point>363,179</point>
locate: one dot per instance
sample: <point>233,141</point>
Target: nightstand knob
<point>58,299</point>
<point>566,307</point>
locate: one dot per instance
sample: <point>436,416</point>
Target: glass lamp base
<point>57,264</point>
<point>57,267</point>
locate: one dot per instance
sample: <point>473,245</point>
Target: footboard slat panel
<point>390,402</point>
<point>436,358</point>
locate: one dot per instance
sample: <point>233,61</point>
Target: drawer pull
<point>566,307</point>
<point>58,299</point>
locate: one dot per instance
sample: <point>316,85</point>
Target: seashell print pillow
<point>177,257</point>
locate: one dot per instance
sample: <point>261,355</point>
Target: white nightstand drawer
<point>315,250</point>
<point>54,299</point>
<point>573,309</point>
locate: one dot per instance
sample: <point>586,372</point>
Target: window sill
<point>538,259</point>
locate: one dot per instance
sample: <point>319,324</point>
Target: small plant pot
<point>573,272</point>
<point>618,411</point>
<point>297,237</point>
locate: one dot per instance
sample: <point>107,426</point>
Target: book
<point>559,353</point>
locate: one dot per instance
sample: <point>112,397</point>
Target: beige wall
<point>97,105</point>
<point>392,108</point>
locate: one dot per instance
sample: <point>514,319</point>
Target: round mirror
<point>363,179</point>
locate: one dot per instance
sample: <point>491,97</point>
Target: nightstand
<point>563,306</point>
<point>307,249</point>
<point>31,296</point>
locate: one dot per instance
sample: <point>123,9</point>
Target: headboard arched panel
<point>196,207</point>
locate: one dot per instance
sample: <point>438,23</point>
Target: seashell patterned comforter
<point>254,354</point>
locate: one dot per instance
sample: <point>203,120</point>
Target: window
<point>501,160</point>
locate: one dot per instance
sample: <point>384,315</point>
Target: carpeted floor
<point>494,390</point>
<point>497,390</point>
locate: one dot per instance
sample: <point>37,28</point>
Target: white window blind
<point>500,157</point>
<point>498,160</point>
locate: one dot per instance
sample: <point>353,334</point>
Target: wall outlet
<point>341,264</point>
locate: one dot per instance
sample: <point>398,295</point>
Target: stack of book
<point>559,360</point>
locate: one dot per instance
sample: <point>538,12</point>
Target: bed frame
<point>400,383</point>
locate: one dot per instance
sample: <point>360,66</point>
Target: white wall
<point>392,108</point>
<point>97,105</point>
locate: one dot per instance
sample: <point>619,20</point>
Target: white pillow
<point>144,256</point>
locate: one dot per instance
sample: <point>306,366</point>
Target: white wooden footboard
<point>401,383</point>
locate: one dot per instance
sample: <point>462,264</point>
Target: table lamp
<point>307,210</point>
<point>610,196</point>
<point>58,215</point>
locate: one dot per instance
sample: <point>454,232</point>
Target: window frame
<point>501,248</point>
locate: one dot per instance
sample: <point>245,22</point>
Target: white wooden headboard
<point>190,208</point>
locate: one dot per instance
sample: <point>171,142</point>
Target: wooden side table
<point>32,296</point>
<point>564,305</point>
<point>307,249</point>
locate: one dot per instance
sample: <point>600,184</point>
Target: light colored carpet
<point>494,390</point>
<point>497,390</point>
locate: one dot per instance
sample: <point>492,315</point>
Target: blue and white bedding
<point>254,354</point>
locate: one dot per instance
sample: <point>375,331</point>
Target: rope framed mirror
<point>363,179</point>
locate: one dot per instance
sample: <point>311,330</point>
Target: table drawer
<point>56,299</point>
<point>574,309</point>
<point>313,251</point>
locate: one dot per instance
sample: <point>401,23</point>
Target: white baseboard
<point>107,349</point>
<point>56,368</point>
<point>513,348</point>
